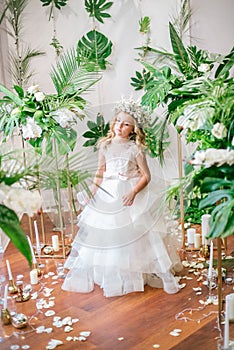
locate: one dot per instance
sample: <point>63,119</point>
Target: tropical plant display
<point>198,98</point>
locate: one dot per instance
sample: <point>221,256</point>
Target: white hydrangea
<point>204,67</point>
<point>63,117</point>
<point>20,200</point>
<point>213,157</point>
<point>219,130</point>
<point>31,130</point>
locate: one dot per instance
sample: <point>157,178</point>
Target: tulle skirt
<point>117,246</point>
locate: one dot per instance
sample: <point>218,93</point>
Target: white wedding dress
<point>117,246</point>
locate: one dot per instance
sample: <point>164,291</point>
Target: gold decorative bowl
<point>19,320</point>
<point>48,250</point>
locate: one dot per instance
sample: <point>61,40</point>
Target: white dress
<point>117,246</point>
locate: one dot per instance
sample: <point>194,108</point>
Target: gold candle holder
<point>12,287</point>
<point>5,316</point>
<point>205,251</point>
<point>35,266</point>
<point>21,295</point>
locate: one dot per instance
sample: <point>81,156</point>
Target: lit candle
<point>226,325</point>
<point>190,235</point>
<point>5,297</point>
<point>197,239</point>
<point>205,227</point>
<point>9,270</point>
<point>211,260</point>
<point>32,251</point>
<point>55,243</point>
<point>37,235</point>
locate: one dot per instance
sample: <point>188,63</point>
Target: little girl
<point>120,242</point>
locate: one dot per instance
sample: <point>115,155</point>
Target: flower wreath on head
<point>140,113</point>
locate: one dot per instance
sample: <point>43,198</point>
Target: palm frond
<point>69,78</point>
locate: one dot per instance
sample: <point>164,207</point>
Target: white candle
<point>231,307</point>
<point>37,235</point>
<point>9,270</point>
<point>33,276</point>
<point>55,243</point>
<point>197,240</point>
<point>190,235</point>
<point>205,227</point>
<point>5,297</point>
<point>226,325</point>
<point>211,260</point>
<point>32,251</point>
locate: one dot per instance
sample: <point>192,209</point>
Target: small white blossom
<point>33,89</point>
<point>31,130</point>
<point>204,67</point>
<point>39,96</point>
<point>219,131</point>
<point>63,117</point>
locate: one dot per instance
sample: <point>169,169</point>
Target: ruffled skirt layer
<point>116,245</point>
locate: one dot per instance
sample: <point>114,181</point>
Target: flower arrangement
<point>197,93</point>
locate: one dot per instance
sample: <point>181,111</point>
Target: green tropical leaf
<point>97,130</point>
<point>220,219</point>
<point>93,49</point>
<point>226,65</point>
<point>10,224</point>
<point>69,78</point>
<point>216,196</point>
<point>11,95</point>
<point>144,25</point>
<point>96,9</point>
<point>181,55</point>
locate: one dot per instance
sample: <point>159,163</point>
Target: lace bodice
<point>121,159</point>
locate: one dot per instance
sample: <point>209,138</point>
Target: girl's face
<point>124,125</point>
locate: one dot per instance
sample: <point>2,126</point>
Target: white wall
<point>212,26</point>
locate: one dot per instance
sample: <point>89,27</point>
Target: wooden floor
<point>138,321</point>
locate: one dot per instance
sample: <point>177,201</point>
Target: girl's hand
<point>128,198</point>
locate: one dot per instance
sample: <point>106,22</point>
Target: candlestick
<point>190,235</point>
<point>9,270</point>
<point>226,325</point>
<point>231,307</point>
<point>5,297</point>
<point>37,235</point>
<point>197,240</point>
<point>211,261</point>
<point>205,227</point>
<point>32,251</point>
<point>55,243</point>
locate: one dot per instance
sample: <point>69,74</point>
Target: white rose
<point>31,130</point>
<point>219,130</point>
<point>33,89</point>
<point>39,96</point>
<point>204,67</point>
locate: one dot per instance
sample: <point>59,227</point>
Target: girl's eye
<point>126,124</point>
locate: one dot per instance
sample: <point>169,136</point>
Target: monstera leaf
<point>92,50</point>
<point>96,9</point>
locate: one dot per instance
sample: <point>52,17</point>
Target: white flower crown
<point>140,113</point>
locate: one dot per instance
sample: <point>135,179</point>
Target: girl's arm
<point>99,173</point>
<point>145,178</point>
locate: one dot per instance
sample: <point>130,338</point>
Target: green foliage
<point>69,77</point>
<point>96,130</point>
<point>153,138</point>
<point>10,224</point>
<point>97,8</point>
<point>144,25</point>
<point>141,80</point>
<point>93,50</point>
<point>57,3</point>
